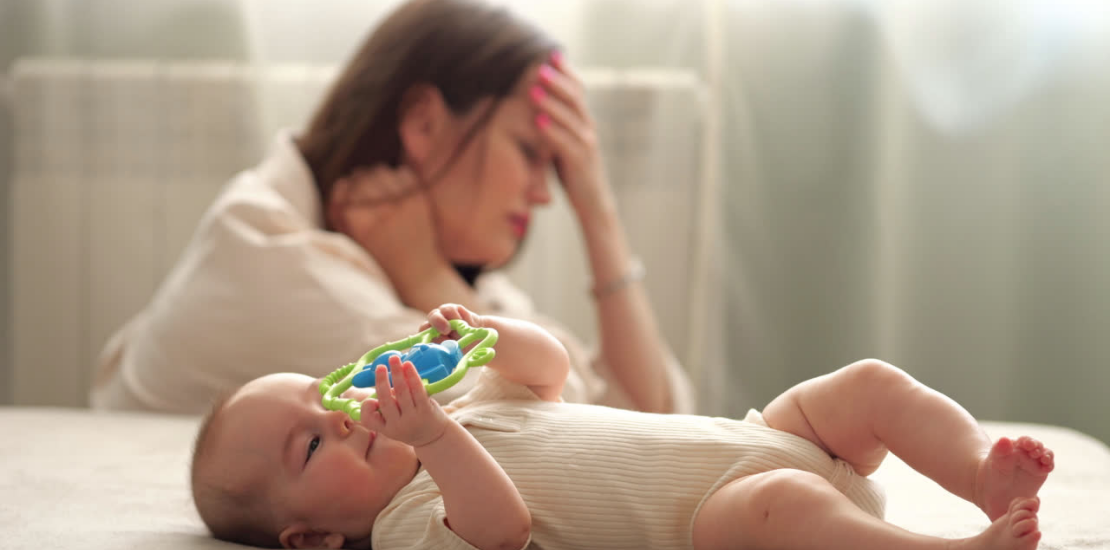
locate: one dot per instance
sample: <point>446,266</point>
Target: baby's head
<point>273,468</point>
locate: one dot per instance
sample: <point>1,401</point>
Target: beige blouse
<point>599,477</point>
<point>262,288</point>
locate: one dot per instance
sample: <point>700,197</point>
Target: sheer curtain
<point>926,182</point>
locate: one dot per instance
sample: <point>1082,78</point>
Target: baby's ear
<point>300,535</point>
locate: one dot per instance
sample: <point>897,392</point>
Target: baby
<point>508,464</point>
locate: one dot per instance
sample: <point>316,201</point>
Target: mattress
<point>89,480</point>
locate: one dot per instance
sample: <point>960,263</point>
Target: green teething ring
<point>334,384</point>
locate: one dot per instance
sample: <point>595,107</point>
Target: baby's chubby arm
<point>482,504</point>
<point>525,352</point>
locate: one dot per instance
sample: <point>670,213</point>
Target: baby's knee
<point>873,374</point>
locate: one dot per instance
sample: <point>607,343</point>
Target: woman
<point>414,181</point>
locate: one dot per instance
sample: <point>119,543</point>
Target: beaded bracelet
<point>635,273</point>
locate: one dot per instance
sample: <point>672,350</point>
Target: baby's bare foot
<point>1016,529</point>
<point>1012,469</point>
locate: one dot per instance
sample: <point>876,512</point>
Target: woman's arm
<point>630,341</point>
<point>631,344</point>
<point>482,504</point>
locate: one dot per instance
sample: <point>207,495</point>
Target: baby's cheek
<point>340,478</point>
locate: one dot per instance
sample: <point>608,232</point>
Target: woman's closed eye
<point>529,152</point>
<point>312,446</point>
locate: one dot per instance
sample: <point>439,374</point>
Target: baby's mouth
<point>370,444</point>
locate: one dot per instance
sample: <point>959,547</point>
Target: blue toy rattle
<point>440,365</point>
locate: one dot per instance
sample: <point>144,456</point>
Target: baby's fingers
<point>402,387</point>
<point>471,318</point>
<point>417,392</point>
<point>387,403</point>
<point>439,321</point>
<point>457,311</point>
<point>371,416</point>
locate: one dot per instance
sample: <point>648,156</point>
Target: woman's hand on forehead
<point>563,120</point>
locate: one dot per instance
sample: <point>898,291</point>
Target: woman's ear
<point>300,535</point>
<point>424,120</point>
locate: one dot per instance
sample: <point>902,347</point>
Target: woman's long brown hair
<point>466,49</point>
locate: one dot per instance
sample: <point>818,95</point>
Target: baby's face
<point>319,467</point>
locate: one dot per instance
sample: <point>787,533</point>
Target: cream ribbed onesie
<point>598,477</point>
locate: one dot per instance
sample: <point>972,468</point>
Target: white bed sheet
<point>78,479</point>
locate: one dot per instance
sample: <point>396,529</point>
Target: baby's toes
<point>1048,461</point>
<point>1029,445</point>
<point>1023,527</point>
<point>1023,516</point>
<point>1041,456</point>
<point>1031,504</point>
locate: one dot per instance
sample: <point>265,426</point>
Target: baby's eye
<point>312,446</point>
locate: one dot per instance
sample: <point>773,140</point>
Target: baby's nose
<point>341,423</point>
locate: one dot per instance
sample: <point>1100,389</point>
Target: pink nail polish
<point>537,92</point>
<point>547,74</point>
<point>543,121</point>
<point>556,58</point>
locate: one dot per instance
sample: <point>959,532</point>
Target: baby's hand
<point>404,412</point>
<point>440,317</point>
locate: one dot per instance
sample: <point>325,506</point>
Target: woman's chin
<point>489,259</point>
<point>502,259</point>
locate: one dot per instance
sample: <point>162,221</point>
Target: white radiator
<point>116,161</point>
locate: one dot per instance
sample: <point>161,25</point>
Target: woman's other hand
<point>383,210</point>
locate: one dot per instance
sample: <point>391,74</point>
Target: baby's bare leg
<point>799,510</point>
<point>860,411</point>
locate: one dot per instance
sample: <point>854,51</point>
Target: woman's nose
<point>539,192</point>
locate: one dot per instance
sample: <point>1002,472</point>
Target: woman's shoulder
<point>278,194</point>
<point>263,236</point>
